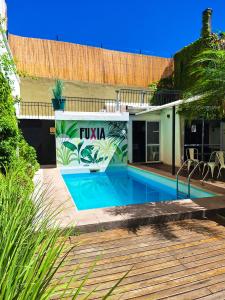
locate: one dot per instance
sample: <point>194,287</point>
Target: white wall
<point>4,49</point>
<point>165,118</point>
<point>3,12</point>
<point>166,137</point>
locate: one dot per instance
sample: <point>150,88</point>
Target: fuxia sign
<point>92,133</point>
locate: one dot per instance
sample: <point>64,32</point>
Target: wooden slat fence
<point>53,59</point>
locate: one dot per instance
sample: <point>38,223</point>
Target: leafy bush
<point>13,147</point>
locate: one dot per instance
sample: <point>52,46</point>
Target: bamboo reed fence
<point>54,59</point>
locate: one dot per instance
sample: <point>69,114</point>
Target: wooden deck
<point>175,260</point>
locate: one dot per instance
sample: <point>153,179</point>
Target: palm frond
<point>207,70</point>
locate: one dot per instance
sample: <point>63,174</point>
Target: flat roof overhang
<point>92,116</point>
<point>168,105</point>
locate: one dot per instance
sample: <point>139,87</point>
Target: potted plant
<point>58,101</point>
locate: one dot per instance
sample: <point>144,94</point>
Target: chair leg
<point>207,172</point>
<point>189,165</point>
<point>203,169</point>
<point>219,173</point>
<point>212,170</point>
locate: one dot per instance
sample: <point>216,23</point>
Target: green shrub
<point>13,147</point>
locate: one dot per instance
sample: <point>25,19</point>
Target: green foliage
<point>166,83</point>
<point>222,34</point>
<point>163,85</point>
<point>33,248</point>
<point>12,145</point>
<point>153,86</point>
<point>58,89</point>
<point>182,59</point>
<point>208,69</point>
<point>28,250</point>
<point>7,65</point>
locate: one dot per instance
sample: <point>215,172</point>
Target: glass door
<point>152,142</point>
<point>139,141</point>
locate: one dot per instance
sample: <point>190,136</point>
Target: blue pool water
<point>123,186</point>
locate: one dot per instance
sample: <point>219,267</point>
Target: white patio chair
<point>192,156</point>
<point>220,155</point>
<point>211,164</point>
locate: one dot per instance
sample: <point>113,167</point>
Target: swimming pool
<point>123,186</point>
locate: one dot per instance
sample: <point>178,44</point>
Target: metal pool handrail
<point>189,176</point>
<point>178,173</point>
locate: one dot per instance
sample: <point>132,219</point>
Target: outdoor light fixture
<point>193,128</point>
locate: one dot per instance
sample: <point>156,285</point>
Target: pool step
<point>182,195</point>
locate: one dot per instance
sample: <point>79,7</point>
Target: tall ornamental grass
<point>29,246</point>
<point>32,246</point>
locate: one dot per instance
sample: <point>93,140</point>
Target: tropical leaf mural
<point>65,156</point>
<point>120,155</point>
<point>66,129</point>
<point>75,148</point>
<point>106,147</point>
<point>79,143</point>
<point>117,131</point>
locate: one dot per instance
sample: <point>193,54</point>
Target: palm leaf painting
<point>85,154</point>
<point>74,148</point>
<point>105,147</point>
<point>70,146</point>
<point>117,131</point>
<point>66,129</point>
<point>65,156</point>
<point>122,152</point>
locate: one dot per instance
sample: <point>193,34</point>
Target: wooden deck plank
<point>157,280</point>
<point>158,264</point>
<point>146,239</point>
<point>160,290</point>
<point>113,234</point>
<point>215,296</point>
<point>124,255</point>
<point>140,247</point>
<point>180,253</point>
<point>185,261</point>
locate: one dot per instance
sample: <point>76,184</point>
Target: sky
<point>159,27</point>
